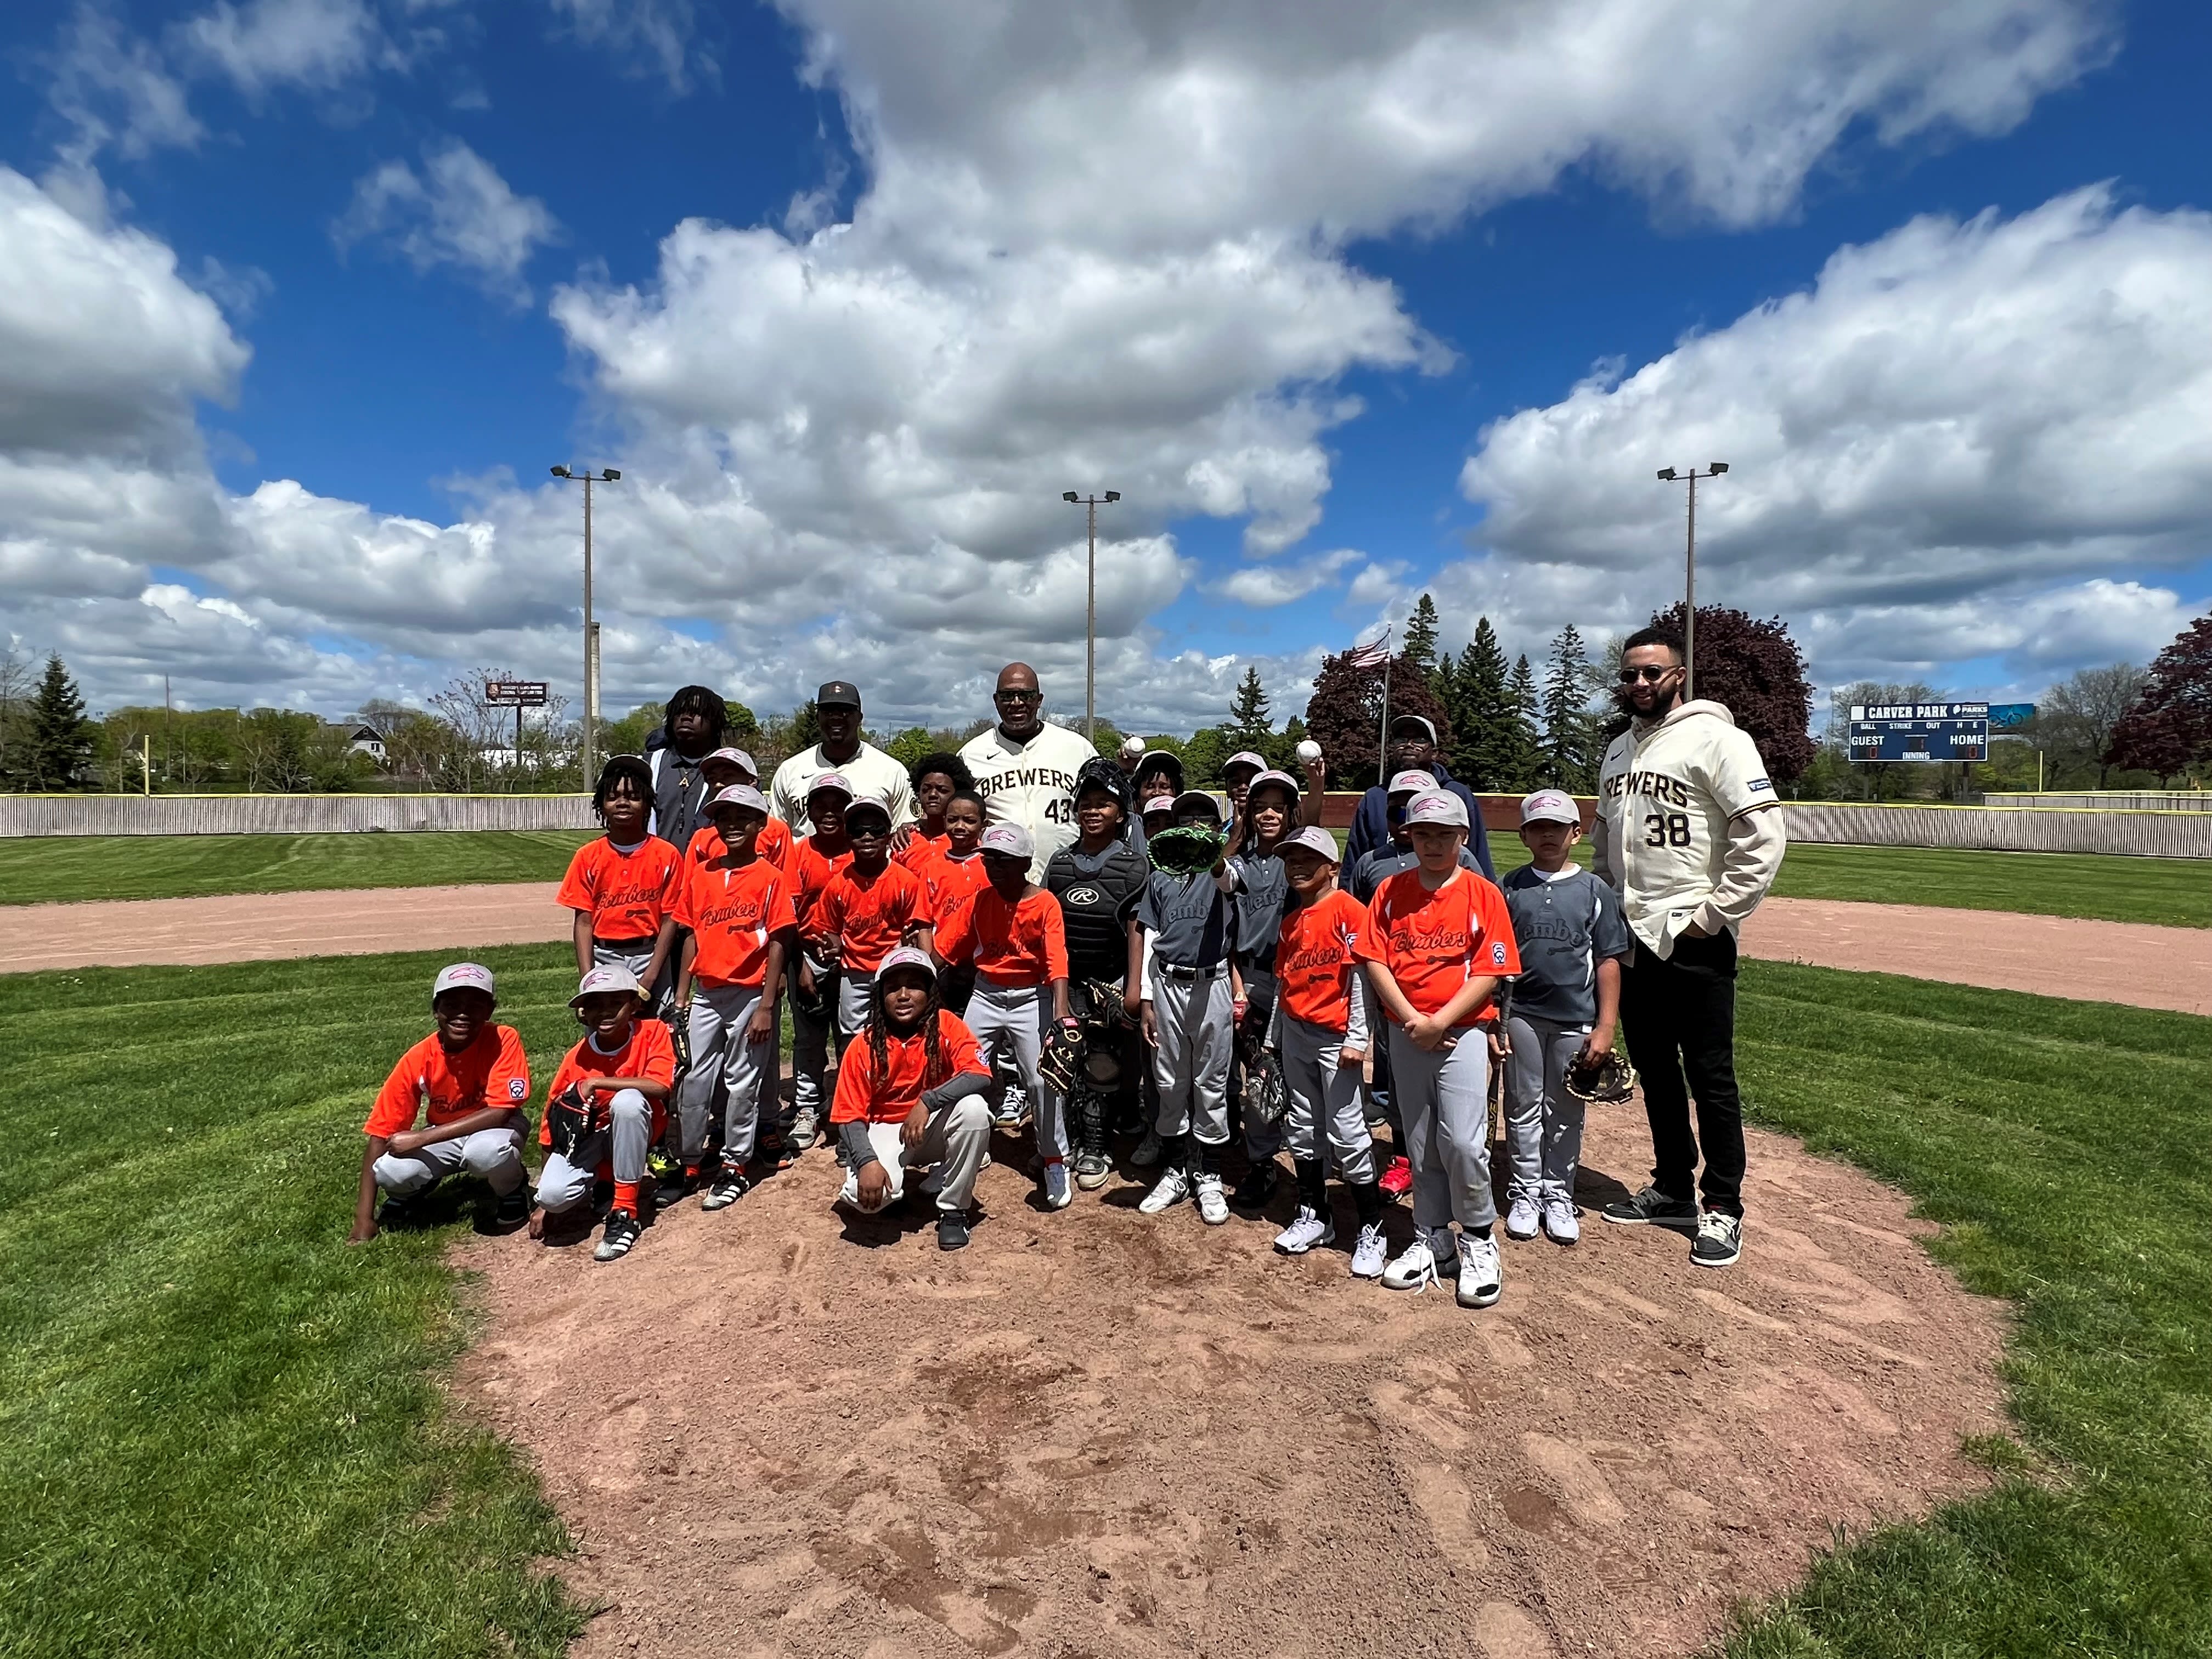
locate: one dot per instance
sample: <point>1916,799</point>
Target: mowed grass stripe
<point>55,868</point>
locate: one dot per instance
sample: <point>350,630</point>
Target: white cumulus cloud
<point>457,212</point>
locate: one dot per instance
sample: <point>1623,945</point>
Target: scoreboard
<point>1920,732</point>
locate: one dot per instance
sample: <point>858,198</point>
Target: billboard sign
<point>2010,716</point>
<point>1919,731</point>
<point>516,694</point>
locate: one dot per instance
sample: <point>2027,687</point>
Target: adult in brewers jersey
<point>1026,767</point>
<point>865,768</point>
<point>1686,832</point>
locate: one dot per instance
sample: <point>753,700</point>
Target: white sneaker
<point>1560,1220</point>
<point>1522,1217</point>
<point>1415,1267</point>
<point>1212,1202</point>
<point>1306,1229</point>
<point>1148,1151</point>
<point>1368,1254</point>
<point>1174,1186</point>
<point>805,1130</point>
<point>1059,1190</point>
<point>1013,1107</point>
<point>1481,1274</point>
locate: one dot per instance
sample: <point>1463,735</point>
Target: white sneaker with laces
<point>1174,1186</point>
<point>1481,1272</point>
<point>1719,1241</point>
<point>1413,1269</point>
<point>1307,1229</point>
<point>1522,1217</point>
<point>1059,1190</point>
<point>1212,1202</point>
<point>1368,1254</point>
<point>1560,1220</point>
<point>1148,1151</point>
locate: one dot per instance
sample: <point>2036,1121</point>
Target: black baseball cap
<point>838,693</point>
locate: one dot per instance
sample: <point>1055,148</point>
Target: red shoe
<point>1397,1180</point>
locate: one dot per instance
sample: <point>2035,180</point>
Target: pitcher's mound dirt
<point>1099,1433</point>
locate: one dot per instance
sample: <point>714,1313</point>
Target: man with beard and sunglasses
<point>1686,832</point>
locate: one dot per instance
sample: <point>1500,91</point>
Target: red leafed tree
<point>1755,669</point>
<point>2169,730</point>
<point>1345,716</point>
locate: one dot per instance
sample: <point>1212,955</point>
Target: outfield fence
<point>2108,800</point>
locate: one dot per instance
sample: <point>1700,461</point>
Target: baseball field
<point>222,1431</point>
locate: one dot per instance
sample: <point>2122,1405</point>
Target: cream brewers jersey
<point>1031,784</point>
<point>1667,792</point>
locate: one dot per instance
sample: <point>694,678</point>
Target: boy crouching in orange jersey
<point>606,1107</point>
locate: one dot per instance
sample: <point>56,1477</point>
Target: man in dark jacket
<point>1412,749</point>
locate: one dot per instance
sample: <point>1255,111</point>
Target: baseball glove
<point>1062,1057</point>
<point>1186,850</point>
<point>1265,1099</point>
<point>1605,1079</point>
<point>571,1114</point>
<point>679,1037</point>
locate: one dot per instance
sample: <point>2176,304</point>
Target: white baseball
<point>1308,750</point>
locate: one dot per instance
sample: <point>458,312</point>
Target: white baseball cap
<point>607,977</point>
<point>1412,783</point>
<point>1244,757</point>
<point>1272,775</point>
<point>1011,839</point>
<point>1438,806</point>
<point>866,803</point>
<point>464,976</point>
<point>736,757</point>
<point>906,957</point>
<point>737,795</point>
<point>1314,839</point>
<point>1551,807</point>
<point>836,782</point>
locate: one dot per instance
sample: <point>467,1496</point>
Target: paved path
<point>2096,961</point>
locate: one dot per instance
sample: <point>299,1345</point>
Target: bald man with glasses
<point>1025,767</point>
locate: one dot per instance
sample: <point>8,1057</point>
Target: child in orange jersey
<point>936,779</point>
<point>722,768</point>
<point>955,876</point>
<point>869,909</point>
<point>1437,944</point>
<point>815,859</point>
<point>1013,935</point>
<point>1319,1034</point>
<point>604,1108</point>
<point>467,1083</point>
<point>622,886</point>
<point>910,1095</point>
<point>737,908</point>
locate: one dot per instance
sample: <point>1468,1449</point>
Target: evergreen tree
<point>1420,651</point>
<point>805,727</point>
<point>1484,751</point>
<point>1523,744</point>
<point>61,738</point>
<point>1248,717</point>
<point>1568,753</point>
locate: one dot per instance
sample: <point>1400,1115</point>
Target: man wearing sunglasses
<point>1686,832</point>
<point>1026,767</point>
<point>1376,823</point>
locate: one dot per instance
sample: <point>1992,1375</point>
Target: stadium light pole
<point>607,475</point>
<point>1668,475</point>
<point>1091,504</point>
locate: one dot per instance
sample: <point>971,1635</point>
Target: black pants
<point>1678,1016</point>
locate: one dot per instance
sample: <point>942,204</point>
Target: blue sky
<point>1320,305</point>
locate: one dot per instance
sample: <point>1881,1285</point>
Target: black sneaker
<point>669,1191</point>
<point>513,1209</point>
<point>729,1185</point>
<point>951,1230</point>
<point>1719,1241</point>
<point>621,1232</point>
<point>1258,1186</point>
<point>397,1213</point>
<point>1654,1208</point>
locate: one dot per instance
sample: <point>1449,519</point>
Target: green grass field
<point>221,1430</point>
<point>37,870</point>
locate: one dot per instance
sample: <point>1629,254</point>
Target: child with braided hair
<point>910,1095</point>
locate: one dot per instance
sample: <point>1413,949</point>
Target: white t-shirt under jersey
<point>1667,794</point>
<point>1031,784</point>
<point>870,772</point>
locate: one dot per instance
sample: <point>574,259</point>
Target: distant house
<point>359,737</point>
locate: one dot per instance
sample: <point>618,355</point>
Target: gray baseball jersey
<point>1193,922</point>
<point>1365,878</point>
<point>1564,927</point>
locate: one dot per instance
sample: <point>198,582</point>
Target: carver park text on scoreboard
<point>1920,731</point>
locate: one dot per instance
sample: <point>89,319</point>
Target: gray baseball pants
<point>957,1141</point>
<point>1543,1121</point>
<point>720,1054</point>
<point>811,1045</point>
<point>494,1154</point>
<point>855,990</point>
<point>1324,1101</point>
<point>1196,1031</point>
<point>637,962</point>
<point>1443,1099</point>
<point>565,1182</point>
<point>1011,1023</point>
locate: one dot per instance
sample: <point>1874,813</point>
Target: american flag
<point>1373,655</point>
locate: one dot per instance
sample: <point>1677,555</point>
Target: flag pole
<point>1383,735</point>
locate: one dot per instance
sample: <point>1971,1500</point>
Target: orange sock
<point>626,1196</point>
<point>691,1172</point>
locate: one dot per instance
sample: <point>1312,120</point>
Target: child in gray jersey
<point>1573,939</point>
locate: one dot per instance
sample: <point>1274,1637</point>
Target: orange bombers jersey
<point>1434,942</point>
<point>492,1071</point>
<point>626,894</point>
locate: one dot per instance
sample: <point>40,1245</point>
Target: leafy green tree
<point>908,747</point>
<point>61,738</point>
<point>742,727</point>
<point>805,727</point>
<point>627,736</point>
<point>1249,721</point>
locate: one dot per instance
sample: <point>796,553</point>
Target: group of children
<point>936,972</point>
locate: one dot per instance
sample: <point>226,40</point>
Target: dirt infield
<point>775,1433</point>
<point>2094,960</point>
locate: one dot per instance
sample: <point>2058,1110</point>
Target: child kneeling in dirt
<point>606,1106</point>
<point>468,1082</point>
<point>910,1094</point>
